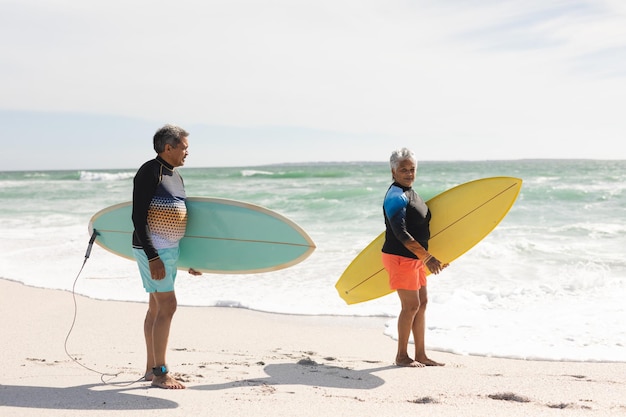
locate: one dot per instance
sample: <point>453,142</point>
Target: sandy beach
<point>240,362</point>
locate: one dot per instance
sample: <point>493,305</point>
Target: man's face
<point>176,156</point>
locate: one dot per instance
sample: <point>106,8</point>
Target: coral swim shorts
<point>404,273</point>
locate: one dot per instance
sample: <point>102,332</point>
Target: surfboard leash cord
<point>103,375</point>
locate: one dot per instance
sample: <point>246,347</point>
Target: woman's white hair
<point>400,155</point>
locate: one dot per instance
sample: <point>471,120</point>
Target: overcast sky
<point>84,84</point>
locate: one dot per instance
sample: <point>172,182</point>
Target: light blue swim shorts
<point>169,258</point>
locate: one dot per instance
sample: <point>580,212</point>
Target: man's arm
<point>144,186</point>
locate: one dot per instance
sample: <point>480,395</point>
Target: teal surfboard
<point>222,236</point>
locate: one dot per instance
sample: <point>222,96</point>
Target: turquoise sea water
<point>548,283</point>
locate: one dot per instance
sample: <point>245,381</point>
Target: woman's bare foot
<point>407,362</point>
<point>429,362</point>
<point>166,382</point>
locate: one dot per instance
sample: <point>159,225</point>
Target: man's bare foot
<point>148,375</point>
<point>408,363</point>
<point>429,362</point>
<point>166,382</point>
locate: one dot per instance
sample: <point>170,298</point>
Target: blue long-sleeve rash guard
<point>406,217</point>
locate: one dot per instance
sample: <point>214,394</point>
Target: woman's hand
<point>434,265</point>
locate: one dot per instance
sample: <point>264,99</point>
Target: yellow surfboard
<point>461,217</point>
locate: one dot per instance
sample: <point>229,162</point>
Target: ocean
<point>548,283</point>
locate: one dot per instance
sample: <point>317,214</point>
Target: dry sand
<point>243,363</point>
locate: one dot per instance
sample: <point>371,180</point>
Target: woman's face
<point>404,174</point>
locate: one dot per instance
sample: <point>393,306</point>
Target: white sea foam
<point>105,176</point>
<point>253,172</point>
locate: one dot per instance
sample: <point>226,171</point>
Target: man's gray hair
<point>168,135</point>
<point>400,155</point>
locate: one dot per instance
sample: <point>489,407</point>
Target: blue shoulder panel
<point>395,200</point>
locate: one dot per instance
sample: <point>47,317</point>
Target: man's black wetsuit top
<point>159,211</point>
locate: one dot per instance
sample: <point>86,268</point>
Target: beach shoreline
<point>236,361</point>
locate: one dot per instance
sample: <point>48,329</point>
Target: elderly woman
<point>405,255</point>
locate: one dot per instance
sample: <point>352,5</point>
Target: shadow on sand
<point>308,373</point>
<point>79,398</point>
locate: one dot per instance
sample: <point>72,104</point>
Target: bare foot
<point>166,382</point>
<point>148,375</point>
<point>408,363</point>
<point>430,362</point>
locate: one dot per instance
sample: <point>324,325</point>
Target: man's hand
<point>194,272</point>
<point>157,269</point>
